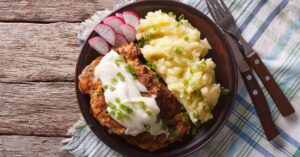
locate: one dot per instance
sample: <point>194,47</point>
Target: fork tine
<point>219,7</point>
<point>211,10</point>
<point>225,7</point>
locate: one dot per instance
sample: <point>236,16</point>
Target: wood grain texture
<point>23,146</point>
<point>44,109</point>
<point>51,10</point>
<point>38,52</point>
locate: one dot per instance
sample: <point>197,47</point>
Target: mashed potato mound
<point>174,47</point>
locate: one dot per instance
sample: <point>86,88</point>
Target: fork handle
<point>282,103</point>
<point>260,103</point>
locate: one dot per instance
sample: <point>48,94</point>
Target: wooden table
<point>38,53</point>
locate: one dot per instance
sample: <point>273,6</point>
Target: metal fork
<point>224,19</point>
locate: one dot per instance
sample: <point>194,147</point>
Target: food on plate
<point>174,47</point>
<point>154,103</point>
<point>151,118</point>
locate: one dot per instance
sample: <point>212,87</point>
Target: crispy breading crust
<point>168,104</point>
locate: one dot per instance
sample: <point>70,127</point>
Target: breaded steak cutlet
<point>169,106</point>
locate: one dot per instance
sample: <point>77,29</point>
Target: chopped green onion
<point>151,66</point>
<point>119,60</point>
<point>185,82</point>
<point>126,108</point>
<point>195,115</point>
<point>141,43</point>
<point>121,77</point>
<point>181,17</point>
<point>112,113</point>
<point>201,65</point>
<point>111,105</point>
<point>112,88</point>
<point>149,113</point>
<point>147,127</point>
<point>225,91</point>
<point>175,133</point>
<point>194,131</point>
<point>177,51</point>
<point>170,13</point>
<point>171,59</point>
<point>126,116</point>
<point>134,77</point>
<point>197,95</point>
<point>186,39</point>
<point>192,71</point>
<point>118,100</point>
<point>130,70</point>
<point>114,80</point>
<point>185,118</point>
<point>185,93</point>
<point>119,115</point>
<point>105,87</point>
<point>142,105</point>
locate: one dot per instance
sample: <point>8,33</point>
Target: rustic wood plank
<point>44,109</point>
<point>38,52</point>
<point>19,146</point>
<point>51,11</point>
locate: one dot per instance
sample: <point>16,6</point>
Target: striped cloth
<point>273,29</point>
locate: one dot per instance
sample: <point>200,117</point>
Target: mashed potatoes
<point>174,47</point>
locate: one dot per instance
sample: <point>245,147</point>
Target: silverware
<point>225,20</point>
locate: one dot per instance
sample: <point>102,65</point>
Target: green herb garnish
<point>181,17</point>
<point>111,105</point>
<point>144,39</point>
<point>170,13</point>
<point>121,77</point>
<point>131,71</point>
<point>225,91</point>
<point>151,66</point>
<point>171,59</point>
<point>195,115</point>
<point>186,39</point>
<point>175,133</point>
<point>118,100</point>
<point>185,117</point>
<point>114,80</point>
<point>177,51</point>
<point>126,108</point>
<point>112,88</point>
<point>105,87</point>
<point>201,65</point>
<point>119,115</point>
<point>147,127</point>
<point>142,105</point>
<point>149,113</point>
<point>185,82</point>
<point>112,113</point>
<point>119,60</point>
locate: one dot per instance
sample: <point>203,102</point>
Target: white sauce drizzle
<point>120,93</point>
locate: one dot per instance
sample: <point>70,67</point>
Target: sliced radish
<point>115,23</point>
<point>129,32</point>
<point>99,44</point>
<point>106,32</point>
<point>120,15</point>
<point>121,40</point>
<point>131,18</point>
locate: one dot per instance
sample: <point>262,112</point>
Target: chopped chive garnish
<point>177,51</point>
<point>192,71</point>
<point>126,108</point>
<point>171,59</point>
<point>112,113</point>
<point>195,115</point>
<point>119,60</point>
<point>130,70</point>
<point>121,77</point>
<point>112,88</point>
<point>149,113</point>
<point>111,105</point>
<point>118,100</point>
<point>201,65</point>
<point>225,91</point>
<point>185,82</point>
<point>114,80</point>
<point>186,39</point>
<point>147,127</point>
<point>151,66</point>
<point>185,118</point>
<point>170,13</point>
<point>119,115</point>
<point>197,95</point>
<point>142,105</point>
<point>134,77</point>
<point>126,116</point>
<point>194,131</point>
<point>175,133</point>
<point>185,93</point>
<point>105,87</point>
<point>181,17</point>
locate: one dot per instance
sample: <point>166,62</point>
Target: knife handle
<point>282,103</point>
<point>260,103</point>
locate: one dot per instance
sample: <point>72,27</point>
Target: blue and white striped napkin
<point>273,29</point>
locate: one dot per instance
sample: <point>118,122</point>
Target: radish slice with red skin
<point>106,32</point>
<point>115,23</point>
<point>129,32</point>
<point>120,15</point>
<point>131,18</point>
<point>99,44</point>
<point>121,40</point>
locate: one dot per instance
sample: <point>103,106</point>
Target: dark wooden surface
<point>38,52</point>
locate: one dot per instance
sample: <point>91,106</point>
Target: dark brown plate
<point>226,75</point>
